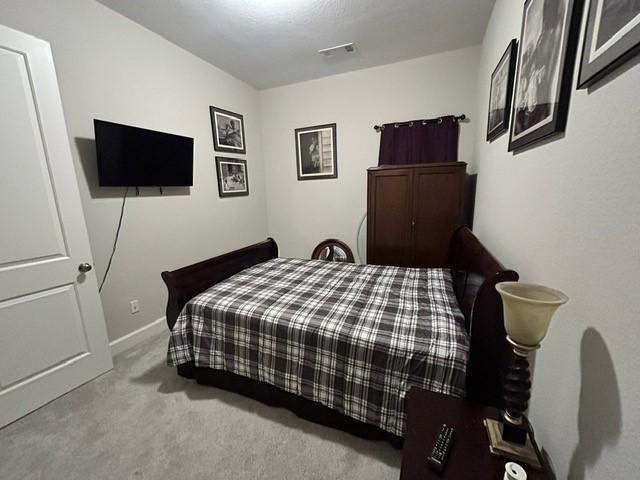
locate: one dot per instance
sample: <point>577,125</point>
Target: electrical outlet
<point>135,306</point>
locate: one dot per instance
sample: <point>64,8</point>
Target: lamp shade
<point>528,309</point>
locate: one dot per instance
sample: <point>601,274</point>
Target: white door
<point>52,332</point>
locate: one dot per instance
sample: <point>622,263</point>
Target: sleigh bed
<point>341,344</point>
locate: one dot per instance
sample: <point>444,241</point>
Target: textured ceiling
<point>269,43</point>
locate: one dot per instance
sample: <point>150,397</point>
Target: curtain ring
<point>396,125</point>
<point>439,120</point>
<point>411,124</point>
<point>424,122</point>
<point>382,127</point>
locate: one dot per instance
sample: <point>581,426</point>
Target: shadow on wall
<point>610,77</point>
<point>88,159</point>
<point>600,412</point>
<point>471,182</point>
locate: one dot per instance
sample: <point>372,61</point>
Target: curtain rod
<point>459,118</point>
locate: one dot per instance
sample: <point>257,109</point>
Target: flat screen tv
<point>136,157</point>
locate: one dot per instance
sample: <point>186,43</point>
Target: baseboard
<point>132,339</point>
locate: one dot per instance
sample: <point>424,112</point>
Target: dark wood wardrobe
<point>412,211</point>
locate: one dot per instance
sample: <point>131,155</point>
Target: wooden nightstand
<point>469,457</point>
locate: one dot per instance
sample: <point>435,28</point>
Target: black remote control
<point>440,452</point>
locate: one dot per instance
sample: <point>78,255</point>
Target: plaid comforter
<point>354,338</point>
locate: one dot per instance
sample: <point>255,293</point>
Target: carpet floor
<point>142,421</point>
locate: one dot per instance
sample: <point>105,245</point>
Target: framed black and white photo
<point>316,152</point>
<point>548,42</point>
<point>232,177</point>
<point>501,92</point>
<point>612,37</point>
<point>228,131</point>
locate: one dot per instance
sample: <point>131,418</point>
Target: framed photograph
<point>316,152</point>
<point>548,42</point>
<point>228,131</point>
<point>232,177</point>
<point>611,38</point>
<point>501,92</point>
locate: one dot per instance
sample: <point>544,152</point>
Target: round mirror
<point>333,251</point>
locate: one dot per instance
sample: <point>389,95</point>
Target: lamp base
<point>514,433</point>
<point>502,448</point>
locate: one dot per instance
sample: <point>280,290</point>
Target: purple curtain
<point>419,141</point>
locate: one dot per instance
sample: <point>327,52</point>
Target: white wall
<point>303,213</point>
<point>567,213</point>
<point>111,68</point>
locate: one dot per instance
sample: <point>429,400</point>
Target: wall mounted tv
<point>136,157</point>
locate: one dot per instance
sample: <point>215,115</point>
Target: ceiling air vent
<point>328,52</point>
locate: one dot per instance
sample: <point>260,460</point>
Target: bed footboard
<point>476,271</point>
<point>187,282</point>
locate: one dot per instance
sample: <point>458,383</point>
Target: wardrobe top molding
<point>417,165</point>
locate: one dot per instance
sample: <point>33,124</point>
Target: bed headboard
<point>475,273</point>
<point>187,282</point>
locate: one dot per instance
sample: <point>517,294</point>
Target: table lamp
<point>528,309</point>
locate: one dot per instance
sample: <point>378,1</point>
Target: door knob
<point>84,267</point>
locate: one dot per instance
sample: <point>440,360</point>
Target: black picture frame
<point>623,40</point>
<point>226,139</point>
<point>501,92</point>
<point>541,77</point>
<point>224,169</point>
<point>307,167</point>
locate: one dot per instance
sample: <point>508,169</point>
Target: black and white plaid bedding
<point>354,338</point>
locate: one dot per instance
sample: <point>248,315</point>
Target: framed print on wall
<point>612,37</point>
<point>316,154</point>
<point>228,131</point>
<point>548,43</point>
<point>232,177</point>
<point>501,92</point>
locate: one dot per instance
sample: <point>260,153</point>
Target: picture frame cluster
<point>529,97</point>
<point>229,137</point>
<point>316,152</point>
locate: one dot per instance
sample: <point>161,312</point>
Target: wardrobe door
<point>389,217</point>
<point>437,211</point>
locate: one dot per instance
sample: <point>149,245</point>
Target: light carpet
<point>142,421</point>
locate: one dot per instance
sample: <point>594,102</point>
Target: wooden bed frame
<point>475,273</point>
